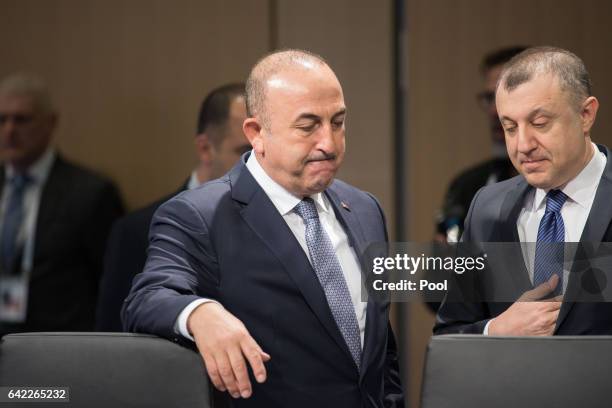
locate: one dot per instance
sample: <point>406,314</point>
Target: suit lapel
<point>263,218</point>
<point>354,231</point>
<point>508,232</point>
<point>593,232</point>
<point>375,325</point>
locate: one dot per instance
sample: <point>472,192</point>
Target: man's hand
<point>224,343</point>
<point>528,316</point>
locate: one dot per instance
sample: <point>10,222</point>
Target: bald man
<point>260,269</point>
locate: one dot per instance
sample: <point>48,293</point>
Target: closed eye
<point>307,128</point>
<point>337,124</point>
<point>510,128</point>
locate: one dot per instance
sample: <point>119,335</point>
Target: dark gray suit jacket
<point>492,218</point>
<point>77,208</point>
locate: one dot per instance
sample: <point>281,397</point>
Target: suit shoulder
<point>495,189</point>
<point>205,199</point>
<point>355,197</point>
<point>345,190</point>
<point>493,195</point>
<point>82,175</point>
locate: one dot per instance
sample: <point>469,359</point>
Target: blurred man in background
<point>465,185</point>
<point>54,219</point>
<point>219,142</point>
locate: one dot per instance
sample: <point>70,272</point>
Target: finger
<point>541,290</point>
<point>213,372</point>
<point>227,374</point>
<point>239,368</point>
<point>255,355</point>
<point>553,282</point>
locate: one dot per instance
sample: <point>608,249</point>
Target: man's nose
<point>526,140</point>
<point>326,141</point>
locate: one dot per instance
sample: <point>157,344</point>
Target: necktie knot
<point>306,209</point>
<point>555,200</point>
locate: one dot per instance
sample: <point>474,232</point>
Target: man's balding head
<point>267,68</point>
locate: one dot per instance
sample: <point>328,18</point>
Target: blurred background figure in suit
<point>219,143</point>
<point>54,219</point>
<point>465,185</point>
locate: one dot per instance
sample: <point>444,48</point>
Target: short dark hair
<point>566,66</point>
<point>215,109</point>
<point>499,57</point>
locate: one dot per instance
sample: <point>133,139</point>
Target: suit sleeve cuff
<point>180,326</point>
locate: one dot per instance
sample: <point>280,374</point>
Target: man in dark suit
<point>562,195</point>
<point>266,258</point>
<point>54,221</point>
<point>219,144</point>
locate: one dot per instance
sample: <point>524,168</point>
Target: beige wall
<point>447,131</point>
<point>128,76</point>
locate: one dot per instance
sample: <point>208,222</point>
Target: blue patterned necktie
<point>13,219</point>
<point>328,270</point>
<point>549,254</point>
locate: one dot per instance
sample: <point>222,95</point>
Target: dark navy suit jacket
<point>492,218</point>
<point>226,241</point>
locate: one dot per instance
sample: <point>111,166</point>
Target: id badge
<point>13,299</point>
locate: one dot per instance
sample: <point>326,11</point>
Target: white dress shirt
<point>285,202</point>
<point>580,193</point>
<point>193,182</point>
<point>38,172</point>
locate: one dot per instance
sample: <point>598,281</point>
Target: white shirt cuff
<point>181,322</point>
<point>486,328</point>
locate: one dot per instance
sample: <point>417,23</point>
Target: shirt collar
<point>39,170</point>
<point>282,199</point>
<point>193,182</point>
<point>581,189</point>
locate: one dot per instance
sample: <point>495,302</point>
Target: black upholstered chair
<point>512,372</point>
<point>105,369</point>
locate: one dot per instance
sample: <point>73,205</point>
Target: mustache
<point>524,158</point>
<point>322,156</point>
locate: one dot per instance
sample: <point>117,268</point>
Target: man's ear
<point>204,148</point>
<point>253,130</point>
<point>589,113</point>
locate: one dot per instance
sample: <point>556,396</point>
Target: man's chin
<point>319,185</point>
<point>538,180</point>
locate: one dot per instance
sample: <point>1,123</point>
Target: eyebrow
<point>539,111</point>
<point>313,117</point>
<point>532,114</point>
